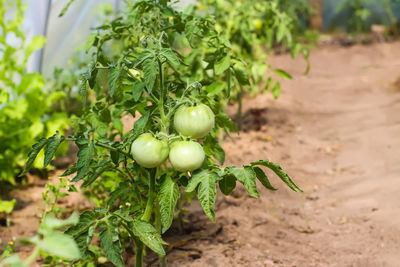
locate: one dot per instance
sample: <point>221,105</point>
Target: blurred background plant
<point>26,103</point>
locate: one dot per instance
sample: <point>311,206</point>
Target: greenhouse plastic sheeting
<point>64,34</point>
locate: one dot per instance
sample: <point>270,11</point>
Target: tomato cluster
<point>189,121</point>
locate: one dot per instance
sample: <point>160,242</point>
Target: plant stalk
<point>32,257</point>
<point>139,253</point>
<point>146,216</point>
<point>239,112</point>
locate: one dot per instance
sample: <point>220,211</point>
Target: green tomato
<point>186,155</point>
<point>195,122</point>
<point>148,151</point>
<point>257,24</point>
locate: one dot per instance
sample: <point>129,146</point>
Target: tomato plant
<point>248,32</point>
<point>149,77</point>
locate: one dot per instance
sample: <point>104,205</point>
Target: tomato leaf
<point>276,168</point>
<point>60,245</point>
<point>137,90</point>
<point>168,197</point>
<point>103,166</point>
<point>139,125</point>
<point>114,80</point>
<point>150,69</point>
<point>247,177</point>
<point>80,231</point>
<point>204,181</point>
<point>215,88</point>
<point>33,154</point>
<point>227,184</point>
<point>148,235</point>
<point>222,65</point>
<point>171,57</point>
<point>222,120</point>
<point>85,154</point>
<point>110,244</point>
<point>83,90</point>
<point>242,76</point>
<point>212,148</point>
<point>51,148</point>
<point>262,177</point>
<point>276,91</point>
<point>283,74</point>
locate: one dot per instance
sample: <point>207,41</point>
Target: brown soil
<point>337,132</point>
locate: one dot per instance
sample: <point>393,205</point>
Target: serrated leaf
<point>262,177</point>
<point>150,69</point>
<point>223,121</point>
<point>51,148</point>
<point>215,88</point>
<point>247,177</point>
<point>111,245</point>
<point>242,76</point>
<point>140,124</point>
<point>204,181</point>
<point>171,57</point>
<point>114,80</point>
<point>103,166</point>
<point>276,168</point>
<point>86,219</point>
<point>123,190</point>
<point>222,65</point>
<point>227,184</point>
<point>33,154</point>
<point>283,74</point>
<point>85,155</point>
<point>83,90</point>
<point>90,41</point>
<point>60,245</point>
<point>148,235</point>
<point>168,197</point>
<point>80,232</point>
<point>70,170</point>
<point>212,148</point>
<point>137,90</point>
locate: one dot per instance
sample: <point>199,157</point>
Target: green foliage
<point>50,240</point>
<point>363,13</point>
<point>150,77</point>
<point>25,102</point>
<point>246,32</point>
<point>7,206</point>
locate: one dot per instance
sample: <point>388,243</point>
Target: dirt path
<point>337,132</point>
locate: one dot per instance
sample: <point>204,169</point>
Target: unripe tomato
<point>186,155</point>
<point>257,24</point>
<point>196,121</point>
<point>148,151</point>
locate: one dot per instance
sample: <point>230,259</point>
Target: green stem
<point>239,113</point>
<point>165,121</point>
<point>114,149</point>
<point>146,216</point>
<point>32,257</point>
<point>158,226</point>
<point>152,195</point>
<point>139,253</point>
